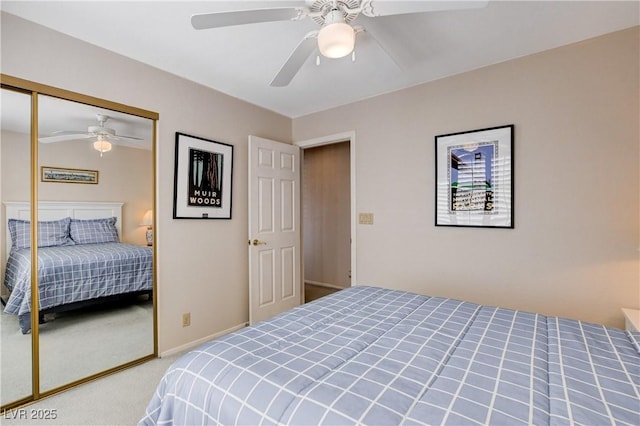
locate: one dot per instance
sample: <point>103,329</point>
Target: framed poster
<point>474,178</point>
<point>202,181</point>
<point>57,174</point>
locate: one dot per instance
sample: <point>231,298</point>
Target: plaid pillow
<point>50,233</point>
<point>94,231</point>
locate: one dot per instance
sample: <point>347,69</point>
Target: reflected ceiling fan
<point>336,37</point>
<point>104,136</point>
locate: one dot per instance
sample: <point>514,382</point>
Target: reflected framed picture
<point>202,180</point>
<point>474,178</point>
<point>60,175</point>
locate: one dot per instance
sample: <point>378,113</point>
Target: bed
<point>368,355</point>
<point>81,260</point>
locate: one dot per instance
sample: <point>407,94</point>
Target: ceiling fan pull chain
<point>353,55</point>
<point>318,60</point>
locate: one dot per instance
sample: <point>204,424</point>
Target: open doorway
<point>327,218</point>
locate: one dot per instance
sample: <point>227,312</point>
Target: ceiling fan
<point>336,37</point>
<point>105,136</point>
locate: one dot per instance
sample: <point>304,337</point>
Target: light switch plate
<point>365,218</point>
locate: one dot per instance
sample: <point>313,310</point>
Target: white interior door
<point>274,228</point>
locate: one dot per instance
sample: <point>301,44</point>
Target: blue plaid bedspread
<point>368,355</point>
<point>75,273</point>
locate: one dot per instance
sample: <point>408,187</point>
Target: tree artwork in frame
<point>202,185</point>
<point>474,178</point>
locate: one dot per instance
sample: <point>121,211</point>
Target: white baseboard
<point>191,345</point>
<point>327,285</point>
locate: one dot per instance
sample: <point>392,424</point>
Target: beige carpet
<point>74,345</point>
<point>313,292</point>
<point>118,399</point>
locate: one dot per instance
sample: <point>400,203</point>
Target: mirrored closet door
<point>90,169</point>
<point>15,165</point>
<point>96,181</point>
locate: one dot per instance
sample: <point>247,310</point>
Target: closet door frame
<point>34,89</point>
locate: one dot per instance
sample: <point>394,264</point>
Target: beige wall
<point>326,214</point>
<point>202,264</point>
<point>574,249</point>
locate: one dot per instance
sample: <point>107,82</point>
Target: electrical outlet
<point>186,319</point>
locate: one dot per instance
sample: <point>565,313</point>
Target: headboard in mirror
<point>54,210</point>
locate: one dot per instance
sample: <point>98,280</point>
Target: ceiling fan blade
<point>67,132</point>
<point>226,19</point>
<point>122,137</point>
<point>296,60</point>
<point>128,142</point>
<point>67,136</point>
<point>385,7</point>
<point>398,50</point>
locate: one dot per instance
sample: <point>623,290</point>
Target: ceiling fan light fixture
<point>337,38</point>
<point>102,145</point>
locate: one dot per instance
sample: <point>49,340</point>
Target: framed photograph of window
<point>202,180</point>
<point>474,178</point>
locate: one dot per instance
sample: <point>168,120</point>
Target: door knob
<point>258,242</point>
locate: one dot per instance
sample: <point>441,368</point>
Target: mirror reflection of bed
<point>95,292</point>
<point>95,269</point>
<point>81,261</point>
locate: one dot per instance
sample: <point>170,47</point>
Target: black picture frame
<point>475,179</point>
<point>202,178</point>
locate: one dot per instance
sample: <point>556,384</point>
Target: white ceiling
<point>61,115</point>
<point>241,61</point>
